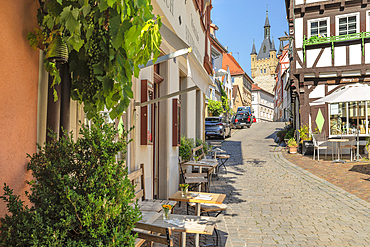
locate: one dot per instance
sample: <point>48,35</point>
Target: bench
<point>137,178</point>
<point>147,232</point>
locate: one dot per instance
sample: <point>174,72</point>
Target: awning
<point>348,93</point>
<point>196,71</point>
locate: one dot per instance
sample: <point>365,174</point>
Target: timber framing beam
<point>168,96</point>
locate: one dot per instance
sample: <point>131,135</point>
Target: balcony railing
<point>315,40</point>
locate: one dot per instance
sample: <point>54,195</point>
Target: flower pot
<point>292,150</point>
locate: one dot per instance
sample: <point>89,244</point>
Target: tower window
<point>264,71</point>
<point>264,49</point>
<point>261,71</point>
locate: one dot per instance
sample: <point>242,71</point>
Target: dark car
<point>218,126</point>
<point>242,119</point>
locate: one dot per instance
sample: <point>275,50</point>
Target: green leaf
<point>103,5</point>
<point>76,42</point>
<point>69,18</point>
<point>129,92</point>
<point>107,84</point>
<point>86,10</point>
<point>60,2</point>
<point>111,2</point>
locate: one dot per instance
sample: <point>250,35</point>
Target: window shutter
<point>176,134</point>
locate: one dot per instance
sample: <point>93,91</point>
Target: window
<point>252,97</point>
<point>319,27</point>
<point>346,118</point>
<point>264,71</point>
<point>347,24</point>
<point>264,49</point>
<point>261,71</point>
<point>232,79</point>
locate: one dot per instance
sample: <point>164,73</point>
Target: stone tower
<point>263,64</point>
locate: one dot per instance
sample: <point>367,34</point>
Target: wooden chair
<point>152,233</point>
<point>145,204</point>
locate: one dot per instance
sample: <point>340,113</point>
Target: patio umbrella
<point>348,93</point>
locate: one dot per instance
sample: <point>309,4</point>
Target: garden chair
<point>320,142</point>
<point>351,145</point>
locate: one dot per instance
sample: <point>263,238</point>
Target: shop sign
<point>349,80</point>
<point>334,109</point>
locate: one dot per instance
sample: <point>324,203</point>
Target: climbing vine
<point>107,40</point>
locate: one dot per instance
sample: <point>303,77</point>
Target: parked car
<point>242,119</point>
<point>218,126</point>
<point>244,108</point>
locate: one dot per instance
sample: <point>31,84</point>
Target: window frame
<point>309,22</point>
<point>368,21</point>
<point>337,17</point>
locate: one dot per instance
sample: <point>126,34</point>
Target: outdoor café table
<point>198,198</point>
<point>184,224</point>
<point>337,142</point>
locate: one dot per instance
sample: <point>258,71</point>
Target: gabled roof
<point>229,60</point>
<point>257,88</point>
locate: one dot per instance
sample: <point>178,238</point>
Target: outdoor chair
<point>152,233</point>
<point>351,145</point>
<point>320,142</point>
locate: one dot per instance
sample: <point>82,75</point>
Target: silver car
<point>217,126</point>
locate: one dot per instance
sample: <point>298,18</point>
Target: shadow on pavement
<point>364,169</point>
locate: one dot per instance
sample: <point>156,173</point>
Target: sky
<point>239,21</point>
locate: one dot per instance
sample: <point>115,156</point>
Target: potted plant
<point>305,140</point>
<point>184,189</point>
<point>292,144</point>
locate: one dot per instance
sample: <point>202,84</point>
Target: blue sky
<point>240,21</point>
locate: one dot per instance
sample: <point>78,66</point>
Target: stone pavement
<point>273,202</point>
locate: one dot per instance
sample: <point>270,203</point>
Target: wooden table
<point>337,141</point>
<point>216,198</point>
<point>201,224</point>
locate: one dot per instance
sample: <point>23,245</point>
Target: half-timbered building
<point>330,48</point>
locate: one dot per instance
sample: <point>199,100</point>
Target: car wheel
<point>230,133</point>
<point>223,136</point>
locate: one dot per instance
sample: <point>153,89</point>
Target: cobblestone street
<point>273,202</point>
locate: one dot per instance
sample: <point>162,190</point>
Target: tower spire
<point>253,48</point>
<point>272,45</point>
<point>267,25</point>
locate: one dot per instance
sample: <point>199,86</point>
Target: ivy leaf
<point>129,92</point>
<point>60,2</point>
<point>85,10</point>
<point>103,5</point>
<point>69,18</point>
<point>76,42</point>
<point>110,2</point>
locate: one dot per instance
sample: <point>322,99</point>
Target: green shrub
<point>292,142</point>
<point>215,107</point>
<point>304,133</point>
<point>80,195</point>
<point>205,146</point>
<point>186,145</point>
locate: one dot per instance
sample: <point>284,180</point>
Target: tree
<point>80,195</point>
<point>107,40</point>
<point>215,107</point>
